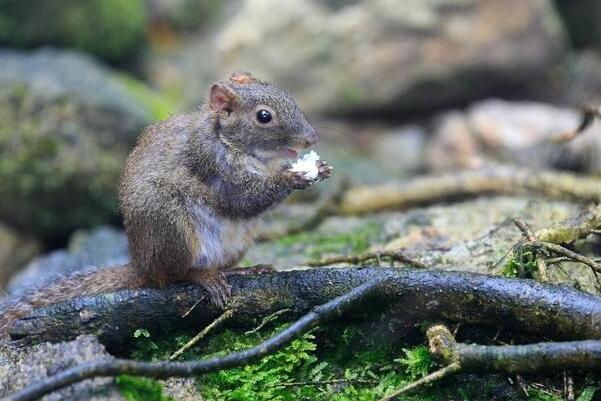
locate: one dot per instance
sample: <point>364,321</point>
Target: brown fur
<point>192,190</point>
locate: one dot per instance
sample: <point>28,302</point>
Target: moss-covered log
<point>410,297</point>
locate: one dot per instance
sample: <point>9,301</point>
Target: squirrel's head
<point>258,118</point>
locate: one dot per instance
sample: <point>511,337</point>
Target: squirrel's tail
<point>87,282</point>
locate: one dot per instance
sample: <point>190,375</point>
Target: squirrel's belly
<point>222,241</point>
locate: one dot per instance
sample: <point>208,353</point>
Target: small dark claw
<point>324,171</point>
<point>298,180</point>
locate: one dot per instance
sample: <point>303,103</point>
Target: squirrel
<point>192,191</point>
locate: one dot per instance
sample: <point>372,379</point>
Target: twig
<point>560,250</point>
<point>163,370</point>
<point>431,378</point>
<point>190,309</point>
<point>268,319</point>
<point>394,256</point>
<point>213,325</point>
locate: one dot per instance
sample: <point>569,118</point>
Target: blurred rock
<point>512,132</point>
<point>15,250</point>
<point>22,366</point>
<point>104,246</point>
<point>67,125</point>
<point>381,56</point>
<point>401,150</point>
<point>182,14</point>
<point>583,79</point>
<point>110,29</point>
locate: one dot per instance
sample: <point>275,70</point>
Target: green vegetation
<point>331,364</point>
<point>110,29</point>
<point>141,389</point>
<point>315,244</point>
<point>522,262</point>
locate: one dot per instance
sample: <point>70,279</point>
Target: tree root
<point>410,296</point>
<point>164,370</point>
<point>401,297</point>
<point>502,180</point>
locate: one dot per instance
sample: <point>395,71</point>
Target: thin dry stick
<point>560,250</point>
<point>213,325</point>
<point>394,256</point>
<point>268,319</point>
<point>193,307</point>
<point>431,378</point>
<point>166,369</point>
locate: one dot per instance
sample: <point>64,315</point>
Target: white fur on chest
<point>222,240</point>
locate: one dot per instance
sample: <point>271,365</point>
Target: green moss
<point>522,263</point>
<point>328,364</point>
<point>140,389</point>
<point>315,244</point>
<point>111,29</point>
<point>417,361</point>
<point>56,171</point>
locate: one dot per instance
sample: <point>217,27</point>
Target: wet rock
<point>15,250</point>
<point>104,246</point>
<point>23,366</point>
<point>111,29</point>
<point>515,132</point>
<point>366,57</point>
<point>67,126</point>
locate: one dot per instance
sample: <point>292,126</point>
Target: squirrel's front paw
<point>324,170</point>
<point>297,179</point>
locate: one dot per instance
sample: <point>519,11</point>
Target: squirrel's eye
<point>263,116</point>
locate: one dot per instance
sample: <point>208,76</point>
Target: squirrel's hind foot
<point>216,285</point>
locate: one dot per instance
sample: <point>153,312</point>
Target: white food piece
<point>307,165</point>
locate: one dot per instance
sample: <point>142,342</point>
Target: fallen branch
<point>164,370</point>
<point>501,180</point>
<point>581,355</point>
<point>410,296</point>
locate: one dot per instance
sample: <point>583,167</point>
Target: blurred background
<point>396,88</point>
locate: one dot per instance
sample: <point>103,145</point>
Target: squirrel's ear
<point>222,98</point>
<point>243,78</point>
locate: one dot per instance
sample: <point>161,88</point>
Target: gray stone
<point>386,57</point>
<point>67,126</point>
<point>22,366</point>
<point>104,246</point>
